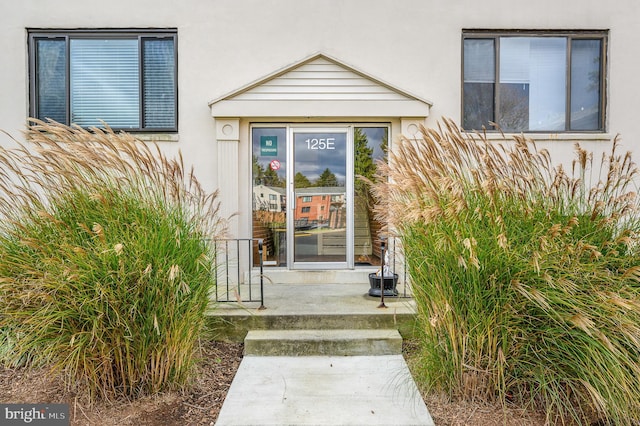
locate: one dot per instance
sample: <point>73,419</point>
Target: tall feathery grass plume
<point>105,260</point>
<point>525,273</point>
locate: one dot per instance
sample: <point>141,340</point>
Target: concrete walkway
<point>324,390</point>
<point>354,388</point>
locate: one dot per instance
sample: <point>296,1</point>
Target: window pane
<point>159,83</point>
<point>515,63</point>
<point>479,78</point>
<point>51,81</point>
<point>532,83</point>
<point>269,148</point>
<point>548,84</point>
<point>105,82</point>
<point>514,107</point>
<point>478,105</point>
<point>479,61</point>
<point>585,84</point>
<point>515,59</point>
<point>370,148</point>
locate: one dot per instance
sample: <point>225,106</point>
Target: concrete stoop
<point>313,307</point>
<point>323,342</point>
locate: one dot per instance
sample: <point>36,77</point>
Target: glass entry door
<point>320,220</point>
<point>309,206</point>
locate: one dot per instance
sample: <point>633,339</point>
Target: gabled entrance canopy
<point>319,86</point>
<point>318,90</point>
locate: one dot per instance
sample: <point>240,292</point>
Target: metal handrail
<point>394,264</point>
<point>226,262</point>
<point>389,244</point>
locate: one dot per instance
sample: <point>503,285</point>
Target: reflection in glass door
<point>269,201</point>
<point>311,206</point>
<point>320,223</point>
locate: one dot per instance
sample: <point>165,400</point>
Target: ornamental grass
<point>525,273</point>
<point>105,265</point>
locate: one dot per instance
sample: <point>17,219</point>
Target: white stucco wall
<point>414,45</point>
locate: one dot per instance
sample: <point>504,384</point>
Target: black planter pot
<point>389,285</point>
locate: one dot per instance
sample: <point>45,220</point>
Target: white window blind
<point>105,83</point>
<point>479,61</point>
<point>548,72</point>
<point>159,83</point>
<point>515,59</point>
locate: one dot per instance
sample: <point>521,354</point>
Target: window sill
<point>157,137</point>
<point>552,137</point>
<point>144,137</point>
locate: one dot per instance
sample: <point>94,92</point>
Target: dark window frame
<point>35,34</point>
<point>570,35</point>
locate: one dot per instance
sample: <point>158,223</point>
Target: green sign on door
<point>269,146</point>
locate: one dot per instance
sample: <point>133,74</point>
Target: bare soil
<point>200,403</point>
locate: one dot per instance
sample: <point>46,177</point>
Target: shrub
<point>104,259</point>
<point>525,277</point>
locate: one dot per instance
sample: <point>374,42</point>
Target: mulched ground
<point>201,402</point>
<point>198,405</point>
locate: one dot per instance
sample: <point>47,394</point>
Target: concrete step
<point>234,325</point>
<point>307,306</point>
<point>323,342</point>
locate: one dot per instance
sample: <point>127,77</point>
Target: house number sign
<point>321,143</point>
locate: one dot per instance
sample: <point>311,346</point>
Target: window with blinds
<point>534,81</point>
<point>126,80</point>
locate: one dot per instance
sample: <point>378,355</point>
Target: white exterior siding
<point>320,80</point>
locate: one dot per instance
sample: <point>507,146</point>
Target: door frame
<point>286,126</point>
